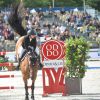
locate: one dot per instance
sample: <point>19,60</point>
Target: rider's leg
<point>21,50</point>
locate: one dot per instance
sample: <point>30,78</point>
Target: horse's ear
<point>15,20</point>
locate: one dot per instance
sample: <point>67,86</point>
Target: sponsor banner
<point>53,53</point>
<point>53,63</point>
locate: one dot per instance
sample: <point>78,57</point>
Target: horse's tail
<point>15,20</point>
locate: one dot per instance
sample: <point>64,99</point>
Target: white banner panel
<point>53,63</point>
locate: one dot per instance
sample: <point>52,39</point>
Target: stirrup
<point>17,67</point>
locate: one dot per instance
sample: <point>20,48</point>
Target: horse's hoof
<point>26,98</point>
<point>32,97</point>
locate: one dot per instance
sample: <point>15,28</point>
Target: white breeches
<point>20,51</point>
<point>37,50</point>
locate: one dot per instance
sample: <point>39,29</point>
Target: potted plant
<point>76,55</point>
<point>1,61</point>
<point>5,60</point>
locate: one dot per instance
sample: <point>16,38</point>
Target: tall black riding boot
<point>17,67</point>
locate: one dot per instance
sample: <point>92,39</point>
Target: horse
<point>28,69</point>
<point>27,72</point>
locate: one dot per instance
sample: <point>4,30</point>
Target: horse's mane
<point>15,20</point>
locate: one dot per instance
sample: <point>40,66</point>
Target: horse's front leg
<point>33,78</point>
<point>26,89</point>
<point>32,91</point>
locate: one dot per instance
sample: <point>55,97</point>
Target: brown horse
<point>28,69</point>
<point>27,72</point>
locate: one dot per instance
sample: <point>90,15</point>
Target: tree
<point>7,3</point>
<point>58,3</point>
<point>94,3</point>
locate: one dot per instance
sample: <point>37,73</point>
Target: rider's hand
<point>30,48</point>
<point>29,52</point>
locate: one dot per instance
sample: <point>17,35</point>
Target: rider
<point>29,44</point>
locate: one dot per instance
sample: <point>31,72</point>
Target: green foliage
<point>76,55</point>
<point>46,3</point>
<point>94,3</point>
<point>36,3</point>
<point>8,3</point>
<point>2,60</point>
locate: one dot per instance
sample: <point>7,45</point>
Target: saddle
<point>32,56</point>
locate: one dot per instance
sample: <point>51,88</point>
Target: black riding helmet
<point>31,32</point>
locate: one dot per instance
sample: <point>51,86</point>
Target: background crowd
<point>53,25</point>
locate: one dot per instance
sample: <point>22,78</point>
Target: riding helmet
<point>31,32</point>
